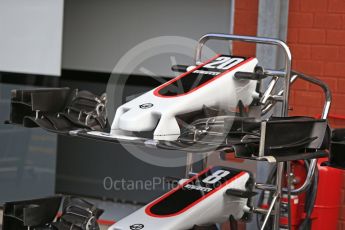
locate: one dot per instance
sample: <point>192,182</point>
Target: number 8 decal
<point>215,177</point>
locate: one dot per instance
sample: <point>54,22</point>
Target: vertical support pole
<point>280,169</point>
<point>189,164</point>
<point>232,23</point>
<point>289,182</point>
<point>204,160</point>
<point>191,159</point>
<point>273,22</point>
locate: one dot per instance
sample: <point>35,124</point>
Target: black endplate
<point>288,138</point>
<point>31,213</point>
<point>337,152</point>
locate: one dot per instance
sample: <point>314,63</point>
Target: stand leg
<point>189,164</point>
<point>274,201</point>
<point>289,182</point>
<point>191,160</point>
<point>280,170</point>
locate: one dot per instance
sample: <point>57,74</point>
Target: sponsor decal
<point>136,226</point>
<point>206,72</point>
<point>198,188</point>
<point>146,106</point>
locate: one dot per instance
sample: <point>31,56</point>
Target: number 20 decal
<point>216,176</point>
<point>223,63</point>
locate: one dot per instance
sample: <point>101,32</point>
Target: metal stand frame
<point>275,206</point>
<point>276,202</point>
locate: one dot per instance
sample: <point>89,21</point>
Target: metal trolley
<point>282,96</point>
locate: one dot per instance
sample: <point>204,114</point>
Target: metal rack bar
<point>285,107</point>
<point>273,203</point>
<point>259,40</point>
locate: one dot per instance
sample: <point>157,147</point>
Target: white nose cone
<point>211,84</point>
<point>139,120</point>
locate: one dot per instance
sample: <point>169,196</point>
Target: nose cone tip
<point>137,120</point>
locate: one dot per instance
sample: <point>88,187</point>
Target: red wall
<point>316,37</point>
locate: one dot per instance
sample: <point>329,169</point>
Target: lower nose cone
<point>138,120</point>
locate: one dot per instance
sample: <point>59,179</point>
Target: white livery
<point>211,84</point>
<point>201,201</point>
